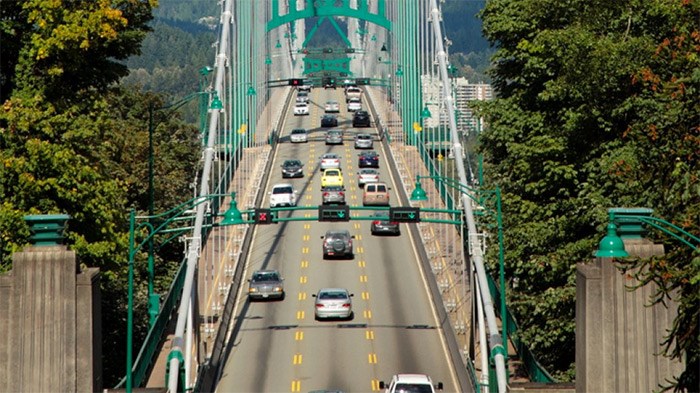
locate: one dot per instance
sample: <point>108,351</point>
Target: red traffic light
<point>296,82</point>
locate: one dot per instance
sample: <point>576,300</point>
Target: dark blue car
<point>368,159</point>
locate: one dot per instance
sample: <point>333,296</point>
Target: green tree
<point>71,144</point>
<point>569,136</point>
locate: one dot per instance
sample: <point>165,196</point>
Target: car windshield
<point>302,105</point>
<point>330,172</point>
<point>333,188</point>
<point>369,154</point>
<point>292,163</point>
<point>364,137</point>
<point>330,156</point>
<point>298,131</point>
<point>368,172</point>
<point>282,190</point>
<point>266,276</point>
<point>333,295</point>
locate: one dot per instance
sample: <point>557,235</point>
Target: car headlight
<point>252,289</point>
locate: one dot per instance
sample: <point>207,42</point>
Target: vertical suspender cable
<point>495,340</point>
<point>195,241</point>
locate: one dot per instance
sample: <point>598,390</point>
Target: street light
<point>629,224</point>
<point>232,216</point>
<point>480,197</point>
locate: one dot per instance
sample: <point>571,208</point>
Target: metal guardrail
<point>148,353</point>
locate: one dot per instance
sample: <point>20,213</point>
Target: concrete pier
<point>618,331</point>
<point>50,332</point>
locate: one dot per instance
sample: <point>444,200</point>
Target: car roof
<point>337,232</point>
<point>369,153</point>
<point>368,171</point>
<point>282,185</point>
<point>333,290</point>
<point>327,115</point>
<point>266,271</point>
<point>413,378</point>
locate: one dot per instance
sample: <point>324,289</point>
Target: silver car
<point>333,303</point>
<point>364,141</point>
<point>330,160</point>
<point>334,137</point>
<point>333,195</point>
<point>337,243</point>
<point>265,284</point>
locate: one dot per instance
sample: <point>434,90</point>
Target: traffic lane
<point>403,319</point>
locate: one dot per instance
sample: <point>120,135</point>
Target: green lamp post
<point>629,222</point>
<point>233,216</point>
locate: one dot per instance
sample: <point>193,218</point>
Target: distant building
<point>464,92</point>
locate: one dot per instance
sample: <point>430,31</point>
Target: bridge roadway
<point>278,346</point>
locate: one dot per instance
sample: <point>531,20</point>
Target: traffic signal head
<point>263,216</point>
<point>296,82</point>
<point>404,214</point>
<point>362,81</point>
<point>334,213</point>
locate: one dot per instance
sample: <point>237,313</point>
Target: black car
<point>381,224</point>
<point>329,121</point>
<point>361,119</point>
<point>292,168</point>
<point>368,159</point>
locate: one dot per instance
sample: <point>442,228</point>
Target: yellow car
<point>332,177</point>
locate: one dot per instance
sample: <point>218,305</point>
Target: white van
<point>283,194</point>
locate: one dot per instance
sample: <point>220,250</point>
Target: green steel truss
<point>316,8</point>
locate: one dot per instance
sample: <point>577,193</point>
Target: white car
<point>301,108</point>
<point>354,105</point>
<point>367,175</point>
<point>332,107</point>
<point>410,383</point>
<point>330,160</point>
<point>299,135</point>
<point>302,96</point>
<point>283,194</point>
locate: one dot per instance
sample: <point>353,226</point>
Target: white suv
<point>419,383</point>
<point>283,195</point>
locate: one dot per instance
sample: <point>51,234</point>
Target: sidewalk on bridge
<point>246,182</point>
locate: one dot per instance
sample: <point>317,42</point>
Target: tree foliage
<point>71,142</point>
<point>597,108</point>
